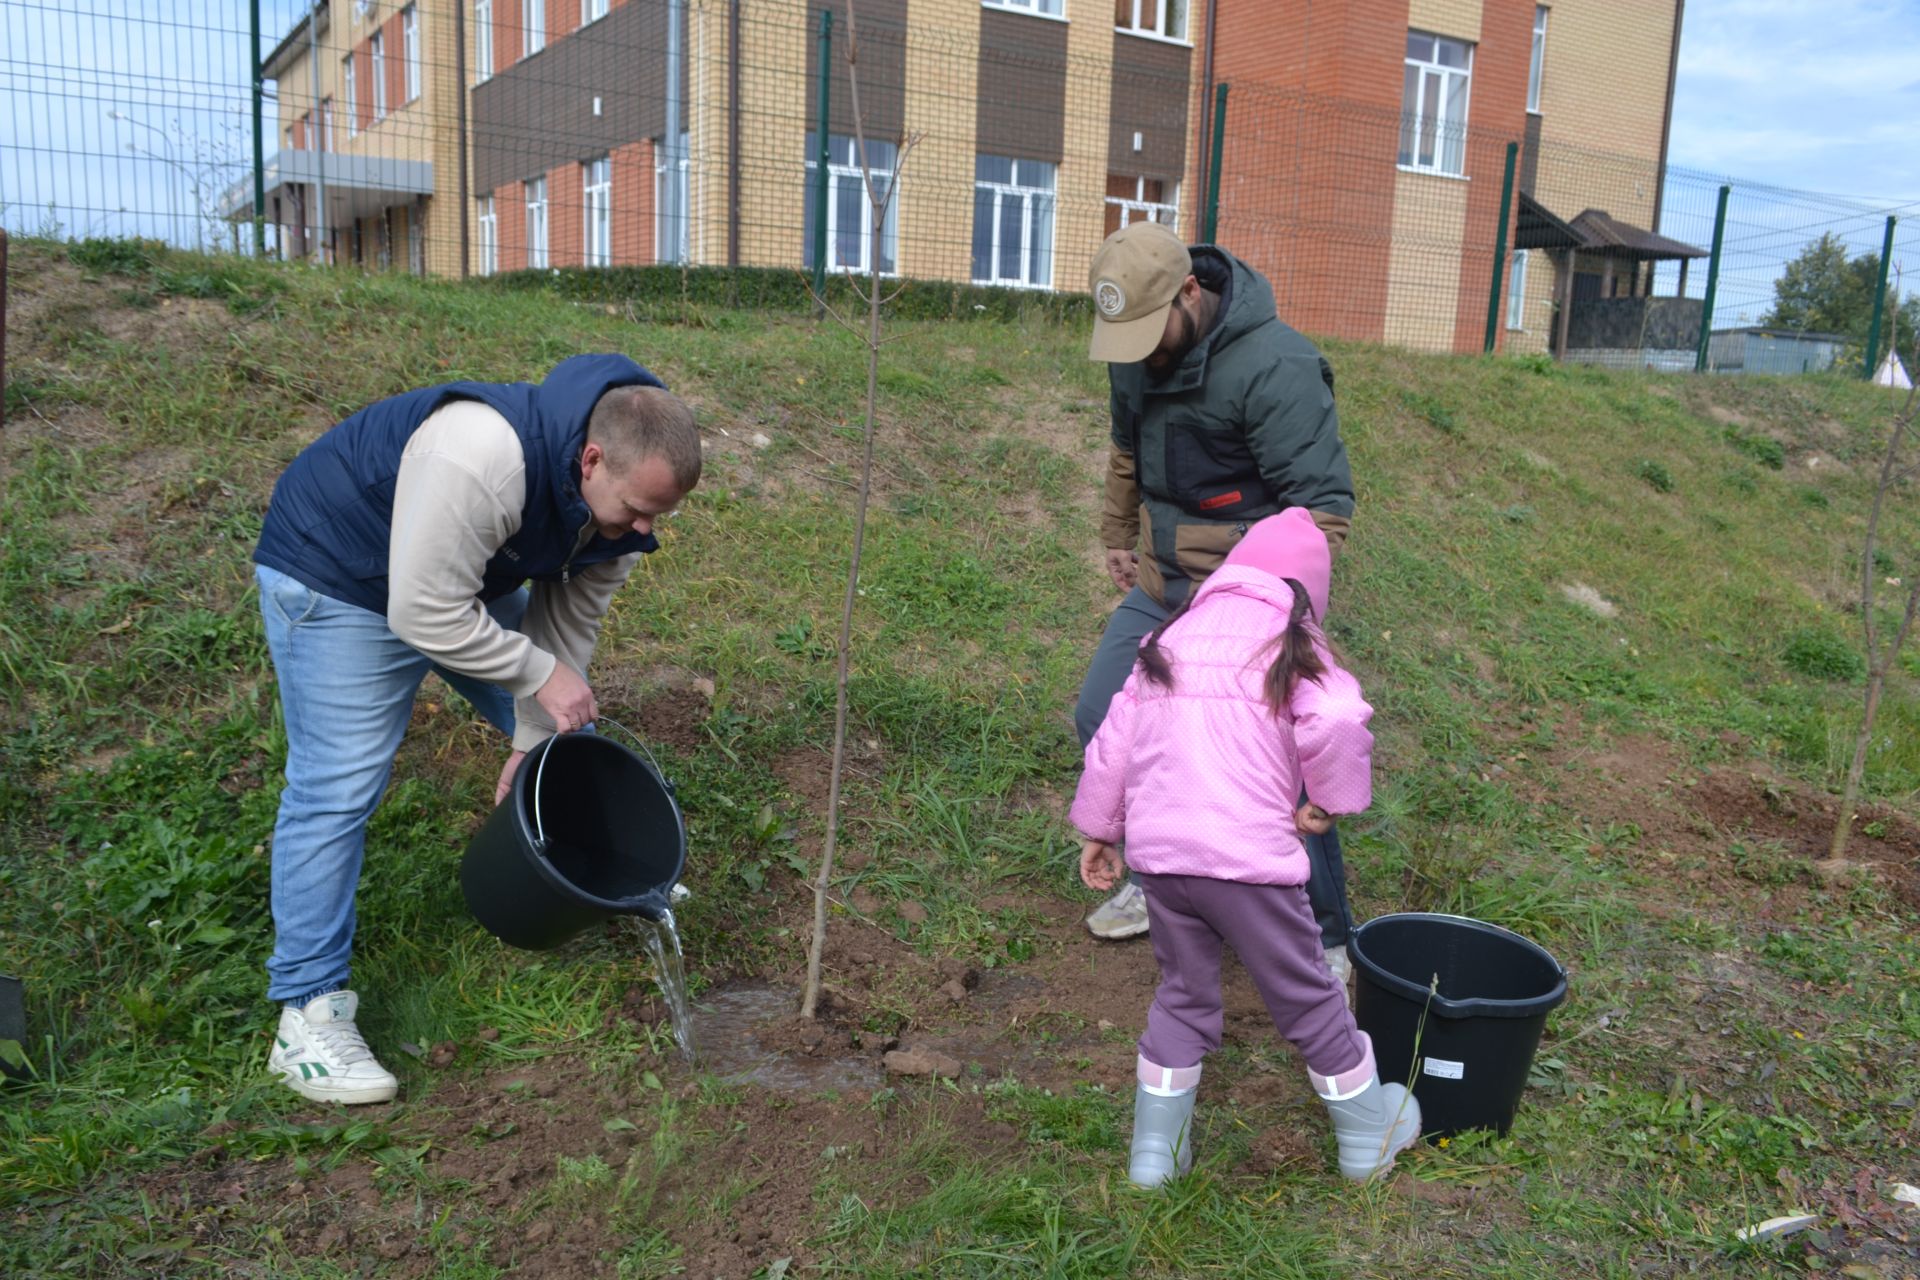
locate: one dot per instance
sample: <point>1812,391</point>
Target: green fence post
<point>825,158</point>
<point>1713,280</point>
<point>259,143</point>
<point>1879,302</point>
<point>1500,247</point>
<point>1212,228</point>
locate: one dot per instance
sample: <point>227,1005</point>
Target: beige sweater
<point>459,496</point>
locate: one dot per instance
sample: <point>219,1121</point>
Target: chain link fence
<point>492,137</point>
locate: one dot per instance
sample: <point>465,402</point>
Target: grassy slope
<point>153,402</point>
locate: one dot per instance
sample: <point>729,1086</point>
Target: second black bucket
<point>589,830</point>
<point>1482,1024</point>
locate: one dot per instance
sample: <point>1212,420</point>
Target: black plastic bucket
<point>589,830</point>
<point>1482,1024</point>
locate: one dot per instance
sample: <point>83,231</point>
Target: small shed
<point>1758,349</point>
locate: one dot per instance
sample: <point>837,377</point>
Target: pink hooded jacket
<point>1202,778</point>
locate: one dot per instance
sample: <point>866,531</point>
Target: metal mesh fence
<point>482,137</point>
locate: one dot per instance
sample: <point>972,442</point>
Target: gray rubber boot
<point>1372,1126</point>
<point>1162,1136</point>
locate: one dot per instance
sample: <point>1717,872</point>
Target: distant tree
<point>1825,291</point>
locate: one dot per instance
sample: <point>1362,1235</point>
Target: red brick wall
<point>508,35</point>
<point>563,16</point>
<point>566,200</point>
<point>633,204</point>
<point>396,60</point>
<point>1307,179</point>
<point>300,134</point>
<point>363,83</point>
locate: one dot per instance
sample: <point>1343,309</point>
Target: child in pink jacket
<point>1235,704</point>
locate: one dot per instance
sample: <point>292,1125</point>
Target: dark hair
<point>630,423</point>
<point>1294,658</point>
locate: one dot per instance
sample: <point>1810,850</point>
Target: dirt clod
<point>920,1061</point>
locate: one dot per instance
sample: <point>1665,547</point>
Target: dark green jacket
<point>1240,429</point>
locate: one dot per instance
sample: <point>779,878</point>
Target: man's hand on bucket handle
<point>566,697</point>
<point>506,776</point>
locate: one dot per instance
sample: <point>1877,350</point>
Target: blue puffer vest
<point>330,521</point>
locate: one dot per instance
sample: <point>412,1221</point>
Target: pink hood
<point>1289,545</point>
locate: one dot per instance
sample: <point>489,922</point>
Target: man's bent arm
<point>457,499</point>
<point>564,618</point>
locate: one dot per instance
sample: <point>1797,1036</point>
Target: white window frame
<point>350,94</point>
<point>843,167</point>
<point>533,27</point>
<point>1054,9</point>
<point>596,186</point>
<point>675,222</point>
<point>410,48</point>
<point>1132,210</point>
<point>1537,63</point>
<point>1517,291</point>
<point>1029,222</point>
<point>1431,139</point>
<point>377,47</point>
<point>536,193</point>
<point>1152,17</point>
<point>489,237</point>
<point>592,11</point>
<point>326,124</point>
<point>482,41</point>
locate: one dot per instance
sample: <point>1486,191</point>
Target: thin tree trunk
<point>877,209</point>
<point>1878,663</point>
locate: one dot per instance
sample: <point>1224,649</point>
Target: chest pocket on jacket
<point>1210,470</point>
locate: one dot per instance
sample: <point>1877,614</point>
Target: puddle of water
<point>728,1022</point>
<point>670,972</point>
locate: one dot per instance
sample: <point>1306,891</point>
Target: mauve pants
<point>1272,929</point>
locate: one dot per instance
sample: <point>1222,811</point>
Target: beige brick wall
<point>1081,186</point>
<point>1459,19</point>
<point>936,191</point>
<point>707,68</point>
<point>1603,89</point>
<point>773,133</point>
<point>1423,270</point>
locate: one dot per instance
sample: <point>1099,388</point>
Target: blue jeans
<point>346,693</point>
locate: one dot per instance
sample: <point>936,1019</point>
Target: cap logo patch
<point>1110,298</point>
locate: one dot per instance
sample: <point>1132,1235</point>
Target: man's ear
<point>591,457</point>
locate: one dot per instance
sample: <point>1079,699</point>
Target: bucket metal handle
<point>539,826</point>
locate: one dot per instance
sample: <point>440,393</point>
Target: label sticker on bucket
<point>1444,1069</point>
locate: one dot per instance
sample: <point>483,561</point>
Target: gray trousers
<point>1112,662</point>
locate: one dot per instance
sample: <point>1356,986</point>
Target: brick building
<point>1364,142</point>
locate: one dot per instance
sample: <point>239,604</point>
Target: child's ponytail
<point>1294,657</point>
<point>1153,661</point>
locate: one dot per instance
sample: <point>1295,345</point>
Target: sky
<point>1790,97</point>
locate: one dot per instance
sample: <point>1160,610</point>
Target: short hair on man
<point>631,423</point>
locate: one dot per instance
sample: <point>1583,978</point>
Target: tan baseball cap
<point>1136,275</point>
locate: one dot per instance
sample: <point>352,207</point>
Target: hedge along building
<point>1366,141</point>
<point>366,167</point>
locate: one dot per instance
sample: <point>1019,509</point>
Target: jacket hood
<point>1288,545</point>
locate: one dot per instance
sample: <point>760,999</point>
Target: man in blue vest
<point>402,541</point>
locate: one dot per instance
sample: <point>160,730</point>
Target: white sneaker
<point>319,1052</point>
<point>1124,915</point>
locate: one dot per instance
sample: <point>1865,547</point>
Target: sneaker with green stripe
<point>320,1053</point>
